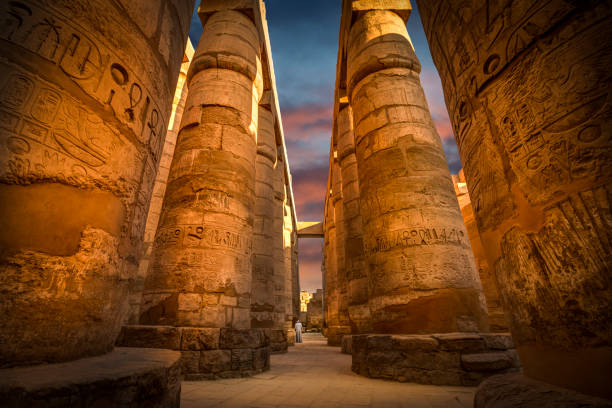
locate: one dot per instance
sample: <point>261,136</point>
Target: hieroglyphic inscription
<point>49,135</point>
<point>410,237</point>
<point>202,236</point>
<point>90,64</point>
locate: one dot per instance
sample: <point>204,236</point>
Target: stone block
<point>195,338</point>
<point>415,343</point>
<point>463,342</point>
<point>498,341</point>
<point>215,361</point>
<point>379,342</point>
<point>277,336</point>
<point>228,300</point>
<point>516,390</point>
<point>261,358</point>
<point>236,338</point>
<point>125,377</point>
<point>347,344</point>
<point>161,337</point>
<point>190,362</point>
<point>242,359</point>
<point>438,360</point>
<point>485,361</point>
<point>189,302</point>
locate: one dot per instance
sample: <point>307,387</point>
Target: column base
<point>125,377</point>
<point>516,390</point>
<point>278,341</point>
<point>334,334</point>
<point>347,344</point>
<point>290,337</point>
<point>206,353</point>
<point>439,359</point>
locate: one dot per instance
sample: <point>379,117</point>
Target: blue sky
<point>304,41</point>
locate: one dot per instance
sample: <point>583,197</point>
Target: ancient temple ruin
<point>149,231</point>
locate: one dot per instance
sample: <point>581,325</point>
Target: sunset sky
<point>304,40</point>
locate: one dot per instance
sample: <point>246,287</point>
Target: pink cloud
<point>306,121</point>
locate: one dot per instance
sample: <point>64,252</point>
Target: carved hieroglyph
<point>85,92</point>
<point>527,85</point>
<point>421,271</point>
<point>201,274</point>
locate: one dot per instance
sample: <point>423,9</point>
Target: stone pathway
<point>312,374</point>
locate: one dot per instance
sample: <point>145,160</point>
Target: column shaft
<point>262,299</point>
<point>528,96</point>
<point>356,274</point>
<point>201,275</point>
<point>420,265</point>
<point>84,110</point>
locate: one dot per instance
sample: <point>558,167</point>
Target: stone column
<point>527,86</point>
<point>288,267</point>
<point>340,249</point>
<point>495,312</point>
<point>84,109</point>
<point>329,259</point>
<point>202,269</point>
<point>159,188</point>
<point>356,274</point>
<point>279,332</point>
<point>420,264</point>
<point>262,298</point>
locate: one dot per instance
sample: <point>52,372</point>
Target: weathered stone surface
<point>206,225</point>
<point>124,377</point>
<point>159,188</point>
<point>414,343</point>
<point>486,361</point>
<point>444,359</point>
<point>84,118</point>
<point>278,341</point>
<point>199,338</point>
<point>404,221</point>
<point>262,293</point>
<point>206,353</point>
<point>232,338</point>
<point>530,110</point>
<point>215,361</point>
<point>347,344</point>
<point>516,390</point>
<point>162,337</point>
<point>467,342</point>
<point>498,341</point>
<point>314,311</point>
<point>496,317</point>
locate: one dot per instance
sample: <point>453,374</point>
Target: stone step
<point>134,377</point>
<point>491,361</point>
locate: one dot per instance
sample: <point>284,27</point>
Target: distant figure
<point>298,332</point>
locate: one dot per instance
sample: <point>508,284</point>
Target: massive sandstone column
<point>329,261</point>
<point>86,89</point>
<point>420,264</point>
<point>527,85</point>
<point>495,312</point>
<point>356,276</point>
<point>340,249</point>
<point>278,240</point>
<point>288,242</point>
<point>159,188</point>
<point>201,274</point>
<point>262,298</point>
